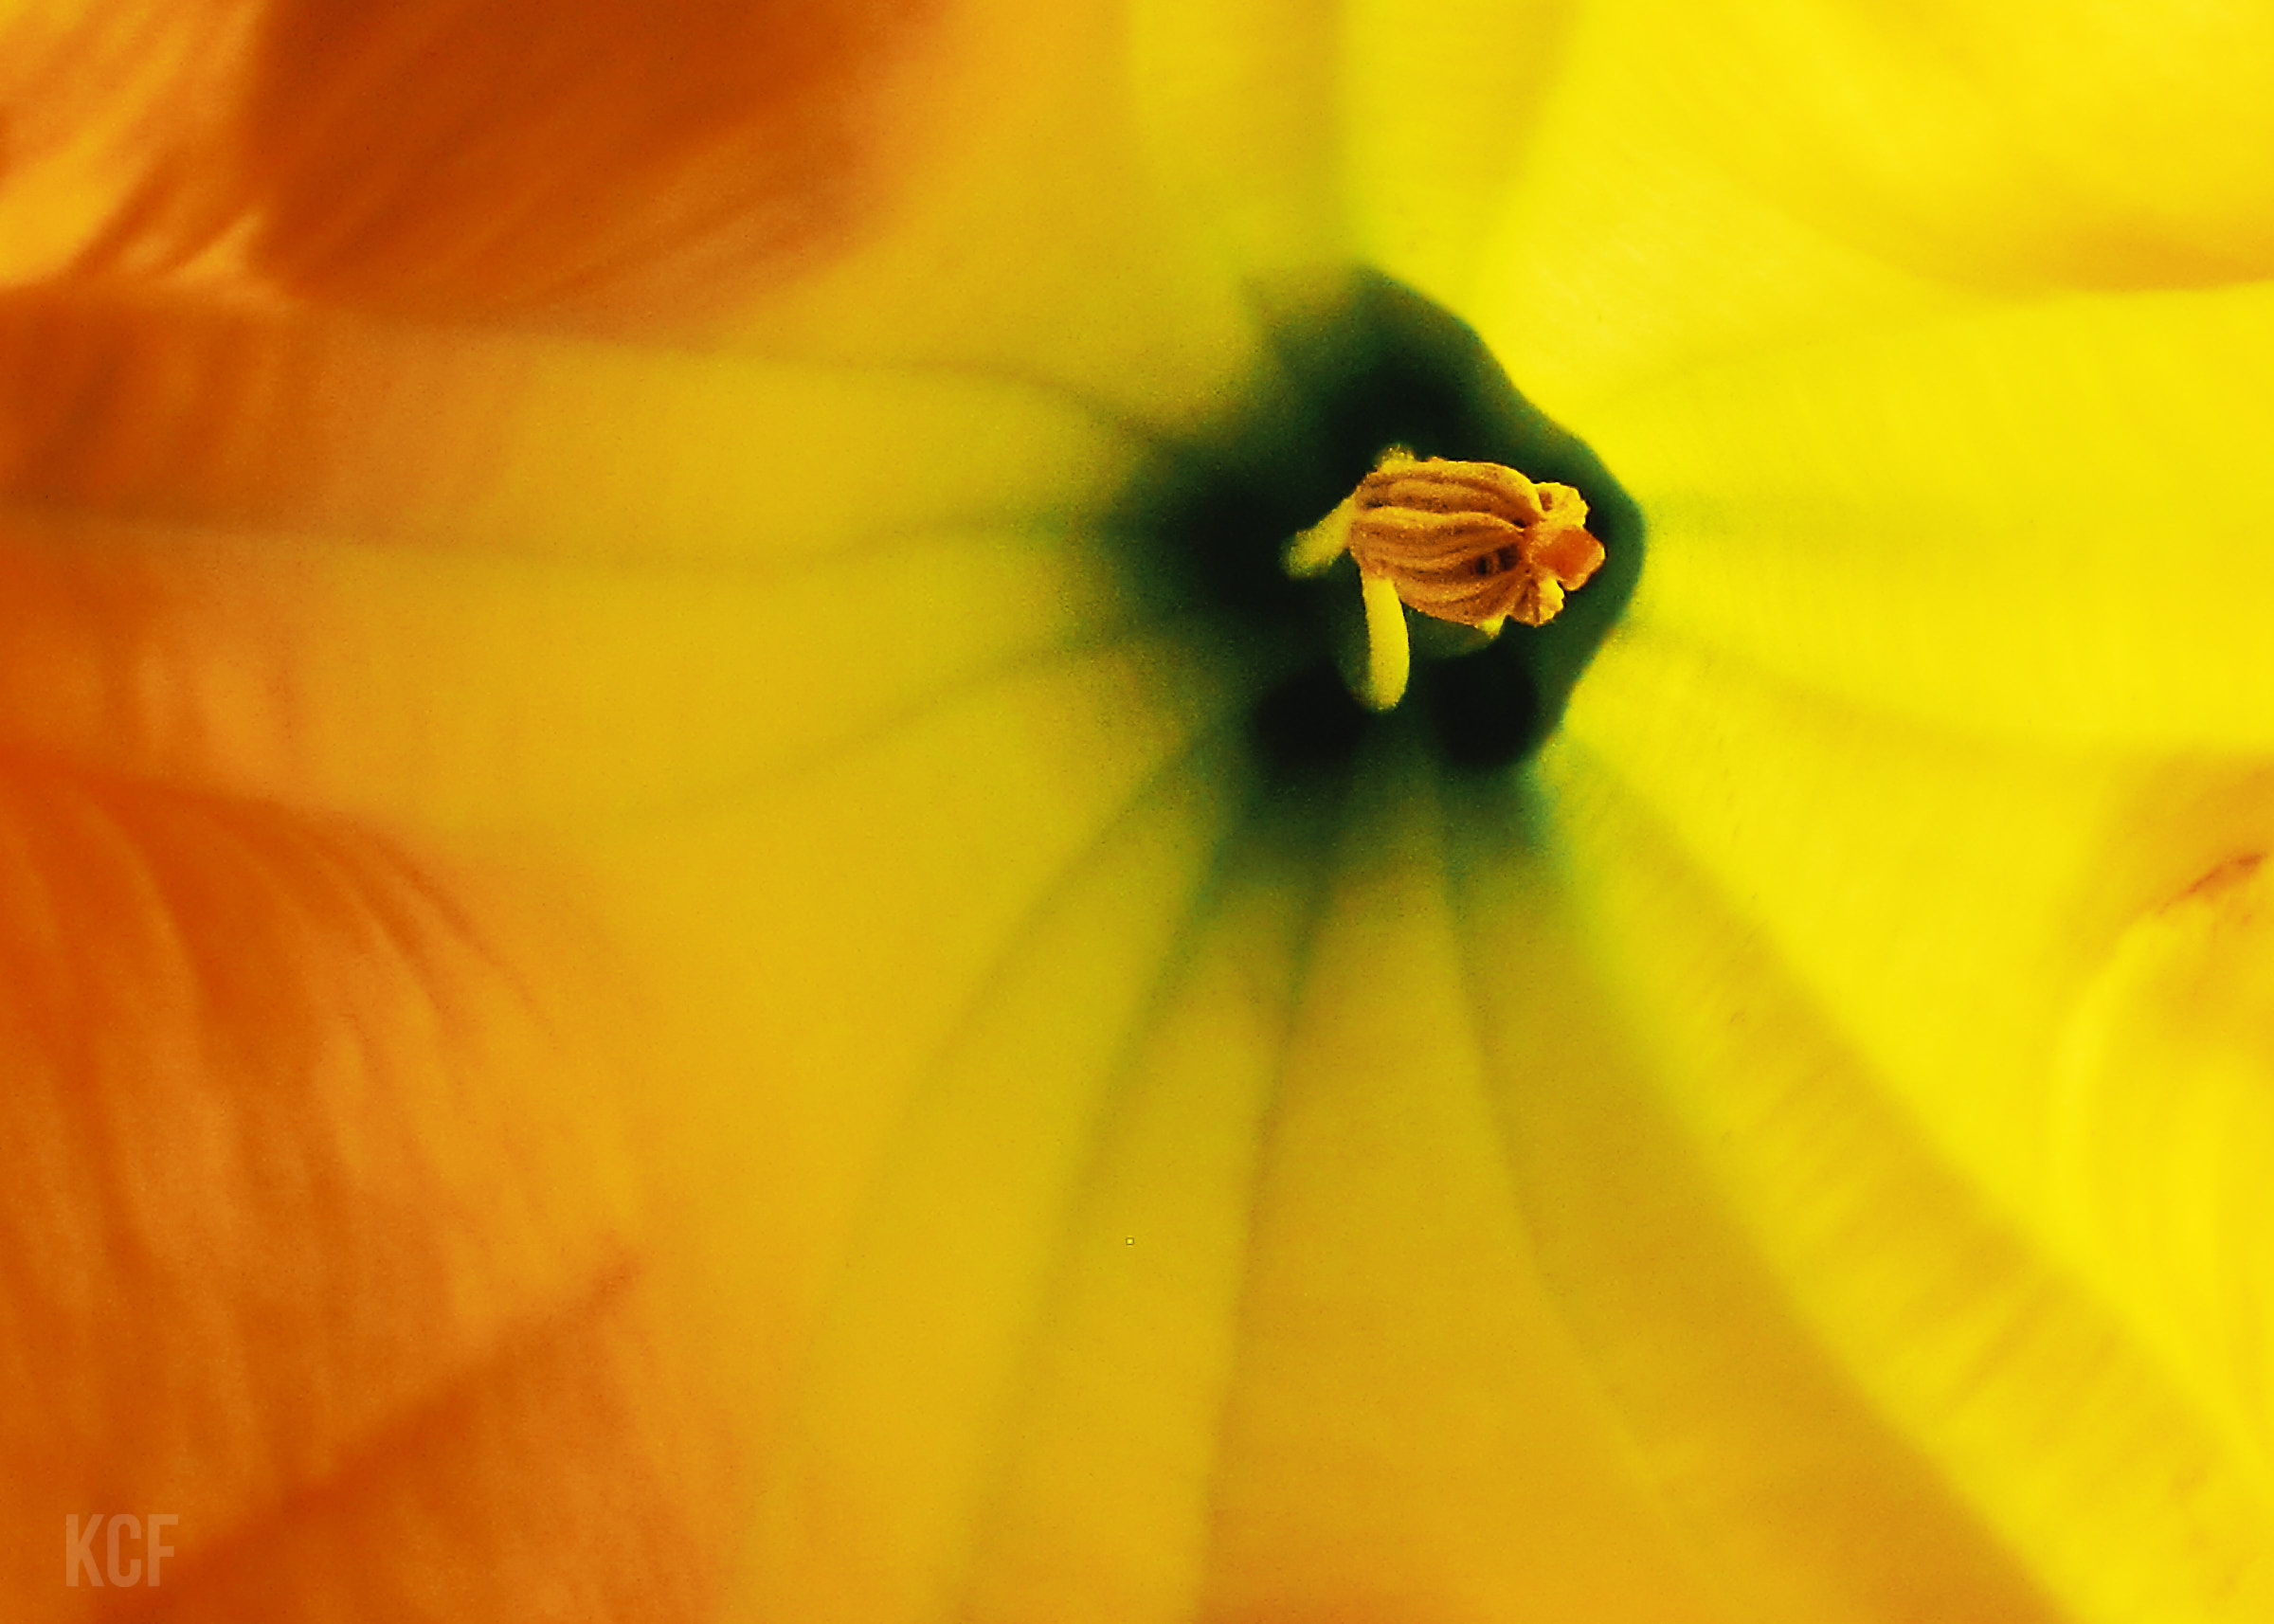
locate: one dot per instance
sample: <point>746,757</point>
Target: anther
<point>1474,543</point>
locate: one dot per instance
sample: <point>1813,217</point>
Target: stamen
<point>1475,543</point>
<point>1314,550</point>
<point>1389,653</point>
<point>1472,542</point>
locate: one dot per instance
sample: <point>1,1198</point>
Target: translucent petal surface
<point>1952,519</point>
<point>321,1233</point>
<point>1425,191</point>
<point>2065,1437</point>
<point>1808,1500</point>
<point>642,973</point>
<point>2017,143</point>
<point>1928,890</point>
<point>1627,247</point>
<point>2161,1138</point>
<point>1411,1432</point>
<point>1103,1505</point>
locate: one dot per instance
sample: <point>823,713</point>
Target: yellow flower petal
<point>1072,1222</point>
<point>1625,247</point>
<point>1926,889</point>
<point>897,1399</point>
<point>1411,1430</point>
<point>2162,1142</point>
<point>2045,520</point>
<point>1102,1507</point>
<point>1816,1503</point>
<point>1437,101</point>
<point>2020,143</point>
<point>2065,1437</point>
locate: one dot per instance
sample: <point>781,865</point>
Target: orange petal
<point>321,1221</point>
<point>510,158</point>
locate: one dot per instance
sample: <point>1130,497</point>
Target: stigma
<point>1476,544</point>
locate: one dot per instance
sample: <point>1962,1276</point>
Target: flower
<point>648,981</point>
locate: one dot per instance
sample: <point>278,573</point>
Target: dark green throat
<point>1207,530</point>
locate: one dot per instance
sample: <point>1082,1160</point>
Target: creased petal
<point>2066,1437</point>
<point>1103,1507</point>
<point>1815,1505</point>
<point>1931,892</point>
<point>318,1217</point>
<point>2162,1139</point>
<point>1412,1434</point>
<point>893,1431</point>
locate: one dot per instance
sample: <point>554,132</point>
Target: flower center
<point>1476,544</point>
<point>1433,597</point>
